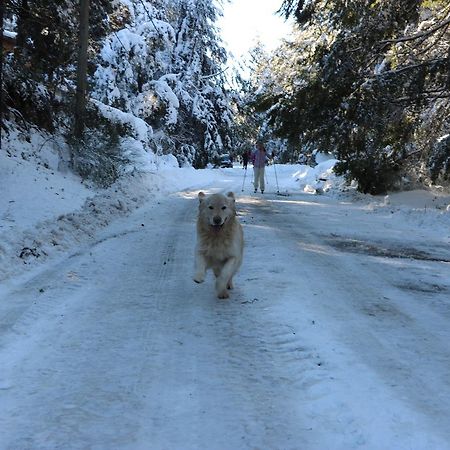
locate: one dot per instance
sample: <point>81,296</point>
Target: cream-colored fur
<point>220,241</point>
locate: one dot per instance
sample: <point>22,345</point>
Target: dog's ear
<point>201,196</point>
<point>231,195</point>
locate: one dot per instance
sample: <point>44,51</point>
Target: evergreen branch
<point>412,67</point>
<point>419,35</point>
<point>214,74</point>
<point>150,17</point>
<point>425,95</point>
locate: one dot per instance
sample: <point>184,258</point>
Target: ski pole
<point>276,178</point>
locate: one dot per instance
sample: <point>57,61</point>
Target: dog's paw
<point>223,294</point>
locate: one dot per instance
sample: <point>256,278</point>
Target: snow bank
<point>318,179</point>
<point>428,209</point>
<point>311,180</point>
<point>46,210</point>
<point>51,223</point>
<point>141,160</point>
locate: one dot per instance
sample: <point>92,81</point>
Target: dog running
<point>220,241</point>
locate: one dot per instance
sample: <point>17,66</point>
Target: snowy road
<point>335,337</point>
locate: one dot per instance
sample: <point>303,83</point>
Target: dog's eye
<point>211,207</point>
<point>224,207</point>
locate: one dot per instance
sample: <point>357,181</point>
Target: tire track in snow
<point>222,373</point>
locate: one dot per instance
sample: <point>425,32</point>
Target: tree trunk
<point>80,102</point>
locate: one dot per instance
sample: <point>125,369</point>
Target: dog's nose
<point>217,220</point>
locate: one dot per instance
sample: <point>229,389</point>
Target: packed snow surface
<point>335,336</point>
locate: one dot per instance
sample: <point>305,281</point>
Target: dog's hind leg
<point>200,268</point>
<point>225,278</point>
<point>230,284</point>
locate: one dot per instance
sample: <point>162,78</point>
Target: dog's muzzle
<point>217,223</point>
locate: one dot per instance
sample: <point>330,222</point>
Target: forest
<point>365,80</point>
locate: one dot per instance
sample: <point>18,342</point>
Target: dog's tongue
<point>216,228</point>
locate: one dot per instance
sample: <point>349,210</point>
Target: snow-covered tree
<point>252,118</point>
<point>165,67</point>
<point>39,74</point>
<point>363,79</point>
<point>155,71</point>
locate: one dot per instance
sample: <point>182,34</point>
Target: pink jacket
<point>259,158</point>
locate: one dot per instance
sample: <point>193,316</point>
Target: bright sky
<point>246,21</point>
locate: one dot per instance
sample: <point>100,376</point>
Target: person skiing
<point>245,157</point>
<point>259,160</point>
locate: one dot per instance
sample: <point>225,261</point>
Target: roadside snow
<point>46,210</point>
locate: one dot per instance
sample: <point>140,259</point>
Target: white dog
<point>220,241</point>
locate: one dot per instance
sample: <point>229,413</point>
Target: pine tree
<point>41,68</point>
<point>364,77</point>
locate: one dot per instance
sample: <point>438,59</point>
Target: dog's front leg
<point>225,277</point>
<point>200,268</point>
